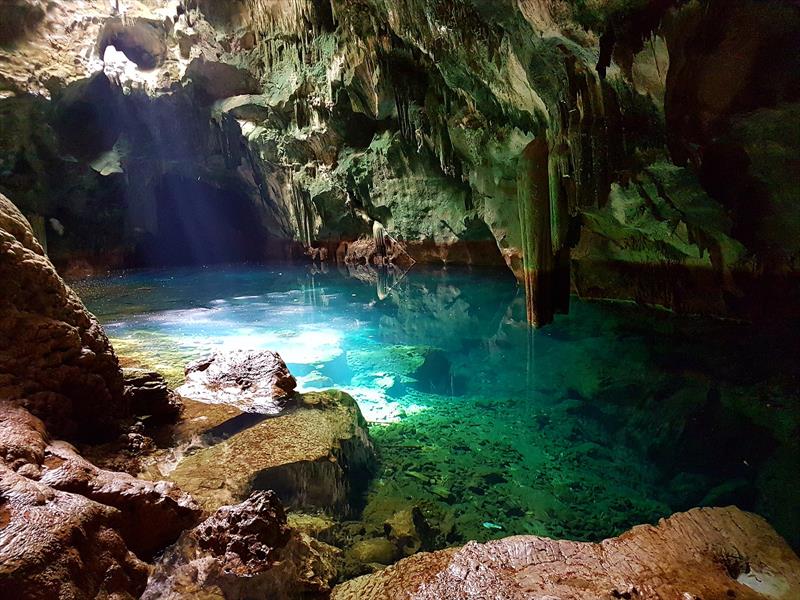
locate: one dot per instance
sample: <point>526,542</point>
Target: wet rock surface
<point>703,553</point>
<point>69,527</point>
<point>55,544</point>
<point>245,551</point>
<point>149,395</point>
<point>256,382</point>
<point>54,357</point>
<point>317,455</point>
<point>151,514</point>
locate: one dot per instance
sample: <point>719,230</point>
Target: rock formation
<point>245,551</point>
<point>317,455</point>
<point>67,528</point>
<point>608,148</point>
<point>703,553</point>
<point>251,381</point>
<point>54,357</point>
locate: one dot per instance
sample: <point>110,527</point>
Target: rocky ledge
<point>316,455</point>
<point>245,551</point>
<point>705,553</point>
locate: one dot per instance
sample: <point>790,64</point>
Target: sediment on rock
<point>317,455</point>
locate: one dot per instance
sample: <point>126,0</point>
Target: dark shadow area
<point>200,224</point>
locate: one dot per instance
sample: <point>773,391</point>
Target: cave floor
<point>613,416</point>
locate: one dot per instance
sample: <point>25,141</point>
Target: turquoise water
<point>610,417</point>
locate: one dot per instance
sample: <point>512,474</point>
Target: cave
<point>432,299</point>
<point>200,224</point>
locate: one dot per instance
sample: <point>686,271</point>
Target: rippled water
<point>612,416</point>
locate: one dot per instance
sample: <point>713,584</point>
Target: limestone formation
<point>703,553</point>
<point>317,455</point>
<point>307,116</point>
<point>54,357</point>
<point>151,515</point>
<point>251,381</point>
<point>245,551</point>
<point>56,544</point>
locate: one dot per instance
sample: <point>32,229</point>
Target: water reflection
<point>609,417</point>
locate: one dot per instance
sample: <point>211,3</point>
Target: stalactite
<point>542,213</point>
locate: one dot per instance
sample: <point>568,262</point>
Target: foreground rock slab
<point>316,455</point>
<point>245,551</point>
<point>251,381</point>
<point>705,553</point>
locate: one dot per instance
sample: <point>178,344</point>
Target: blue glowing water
<point>610,417</point>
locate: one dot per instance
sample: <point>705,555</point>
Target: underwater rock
<point>55,358</point>
<point>374,551</point>
<point>428,369</point>
<point>409,531</point>
<point>245,551</point>
<point>249,380</point>
<point>702,553</point>
<point>317,455</point>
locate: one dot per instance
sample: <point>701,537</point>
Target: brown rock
<point>59,545</point>
<point>147,394</point>
<point>317,455</point>
<point>251,381</point>
<point>703,553</point>
<point>54,357</point>
<point>148,515</point>
<point>245,551</point>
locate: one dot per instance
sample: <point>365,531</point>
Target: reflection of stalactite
<point>382,285</point>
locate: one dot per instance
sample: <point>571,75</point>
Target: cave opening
<point>200,224</point>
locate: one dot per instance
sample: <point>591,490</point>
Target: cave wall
<point>670,179</point>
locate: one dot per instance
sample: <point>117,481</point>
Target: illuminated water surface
<point>610,417</point>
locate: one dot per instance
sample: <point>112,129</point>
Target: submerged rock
<point>316,455</point>
<point>703,553</point>
<point>251,381</point>
<point>245,551</point>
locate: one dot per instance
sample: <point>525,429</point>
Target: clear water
<point>610,417</point>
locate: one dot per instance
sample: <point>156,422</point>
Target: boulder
<point>54,357</point>
<point>245,551</point>
<point>55,544</point>
<point>148,515</point>
<point>251,381</point>
<point>148,395</point>
<point>316,455</point>
<point>703,553</point>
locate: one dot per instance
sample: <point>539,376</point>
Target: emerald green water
<point>612,416</point>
